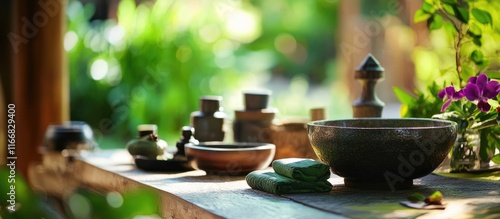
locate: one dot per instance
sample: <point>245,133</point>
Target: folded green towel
<point>271,182</point>
<point>307,170</point>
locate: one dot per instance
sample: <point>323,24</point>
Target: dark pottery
<point>74,135</point>
<point>219,158</point>
<point>253,126</point>
<point>186,137</point>
<point>154,165</point>
<point>256,100</point>
<point>380,153</point>
<point>291,140</point>
<point>209,121</point>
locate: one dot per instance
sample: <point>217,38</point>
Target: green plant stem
<point>458,43</point>
<point>457,56</point>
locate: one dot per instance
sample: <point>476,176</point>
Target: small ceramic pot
<point>253,126</point>
<point>75,135</point>
<point>209,121</point>
<point>291,140</point>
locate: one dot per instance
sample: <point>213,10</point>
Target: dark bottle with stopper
<point>369,72</point>
<point>253,124</point>
<point>209,121</point>
<point>186,137</point>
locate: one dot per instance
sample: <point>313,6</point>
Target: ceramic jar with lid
<point>148,144</point>
<point>74,135</point>
<point>253,124</point>
<point>186,137</point>
<point>209,120</point>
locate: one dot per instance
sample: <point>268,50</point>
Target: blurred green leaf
<point>496,158</point>
<point>461,14</point>
<point>435,198</point>
<point>467,72</point>
<point>449,9</point>
<point>484,148</point>
<point>483,17</point>
<point>421,15</point>
<point>429,8</point>
<point>436,23</point>
<point>493,74</point>
<point>403,96</point>
<point>477,41</point>
<point>416,197</point>
<point>477,56</point>
<point>449,1</point>
<point>475,30</point>
<point>450,29</point>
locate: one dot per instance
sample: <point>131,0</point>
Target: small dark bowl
<point>219,158</point>
<point>380,153</point>
<point>75,135</point>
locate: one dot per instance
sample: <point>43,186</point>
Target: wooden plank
<point>191,194</point>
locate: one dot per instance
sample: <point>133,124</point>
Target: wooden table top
<point>194,194</point>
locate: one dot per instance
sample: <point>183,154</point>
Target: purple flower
<point>449,94</point>
<point>480,88</point>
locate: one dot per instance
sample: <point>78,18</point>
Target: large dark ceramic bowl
<point>382,153</point>
<point>219,158</point>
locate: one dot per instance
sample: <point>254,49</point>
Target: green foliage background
<point>162,56</point>
<point>436,64</point>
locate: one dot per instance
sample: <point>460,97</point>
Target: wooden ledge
<point>191,194</point>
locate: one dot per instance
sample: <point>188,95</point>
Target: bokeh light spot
<point>79,206</point>
<point>70,40</point>
<point>116,34</point>
<point>209,33</point>
<point>242,26</point>
<point>99,69</point>
<point>114,199</point>
<point>285,43</point>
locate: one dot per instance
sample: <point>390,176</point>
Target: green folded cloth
<point>271,182</point>
<point>307,170</point>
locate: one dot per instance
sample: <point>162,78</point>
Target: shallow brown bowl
<point>229,159</point>
<point>381,153</point>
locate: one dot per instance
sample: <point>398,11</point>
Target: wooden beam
<point>6,92</point>
<point>41,91</point>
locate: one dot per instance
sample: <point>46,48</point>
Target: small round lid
<point>147,127</point>
<point>187,131</point>
<point>257,99</point>
<point>210,104</point>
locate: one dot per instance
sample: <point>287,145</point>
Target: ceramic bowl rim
<point>445,124</point>
<point>246,146</point>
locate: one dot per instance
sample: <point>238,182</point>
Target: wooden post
<point>41,91</point>
<point>5,76</point>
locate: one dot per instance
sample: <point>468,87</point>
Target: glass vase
<point>463,156</point>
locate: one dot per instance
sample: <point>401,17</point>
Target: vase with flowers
<point>470,108</point>
<point>469,70</point>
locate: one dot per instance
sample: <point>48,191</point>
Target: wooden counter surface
<point>194,194</point>
<point>191,194</point>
